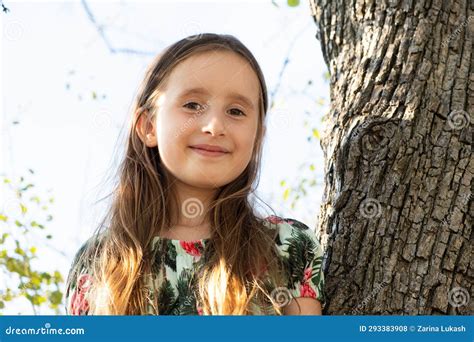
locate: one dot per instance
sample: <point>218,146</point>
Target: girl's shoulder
<point>290,228</point>
<point>91,242</point>
<point>302,254</point>
<point>79,278</point>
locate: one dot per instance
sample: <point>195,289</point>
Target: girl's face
<point>210,98</point>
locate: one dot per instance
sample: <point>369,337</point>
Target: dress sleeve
<point>303,256</point>
<point>78,283</point>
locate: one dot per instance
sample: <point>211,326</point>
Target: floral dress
<point>173,271</point>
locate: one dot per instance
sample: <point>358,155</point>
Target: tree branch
<point>102,34</point>
<point>4,8</point>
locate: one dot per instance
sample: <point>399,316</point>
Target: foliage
<point>23,216</point>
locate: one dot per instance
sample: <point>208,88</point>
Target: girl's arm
<point>303,254</point>
<point>307,306</point>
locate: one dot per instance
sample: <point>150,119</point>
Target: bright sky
<point>54,60</point>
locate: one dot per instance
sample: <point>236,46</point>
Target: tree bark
<point>396,216</point>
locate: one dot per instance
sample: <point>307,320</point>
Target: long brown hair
<point>242,248</point>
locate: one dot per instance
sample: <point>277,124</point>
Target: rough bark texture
<point>396,218</point>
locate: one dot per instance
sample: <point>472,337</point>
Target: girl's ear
<point>145,129</point>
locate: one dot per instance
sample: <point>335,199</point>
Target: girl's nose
<point>214,122</point>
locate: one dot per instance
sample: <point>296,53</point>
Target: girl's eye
<point>197,106</point>
<point>238,111</point>
<point>193,105</point>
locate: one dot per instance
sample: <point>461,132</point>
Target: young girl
<point>182,237</point>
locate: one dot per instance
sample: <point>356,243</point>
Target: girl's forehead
<point>215,71</point>
<point>213,58</point>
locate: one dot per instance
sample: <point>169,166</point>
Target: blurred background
<point>70,71</point>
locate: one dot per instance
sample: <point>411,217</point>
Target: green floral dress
<point>173,272</point>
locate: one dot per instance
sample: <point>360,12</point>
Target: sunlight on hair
<point>102,297</point>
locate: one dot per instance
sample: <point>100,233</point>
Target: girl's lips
<point>208,153</point>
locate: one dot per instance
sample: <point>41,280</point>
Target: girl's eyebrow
<point>203,91</point>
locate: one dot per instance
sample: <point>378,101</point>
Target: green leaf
<point>166,296</point>
<point>35,280</point>
<point>19,251</point>
<point>293,3</point>
<point>38,300</point>
<point>286,194</point>
<point>24,209</point>
<point>316,133</point>
<point>56,297</point>
<point>14,265</point>
<point>3,218</point>
<point>46,275</point>
<point>58,277</point>
<point>27,187</point>
<point>8,296</point>
<point>327,76</point>
<point>3,238</point>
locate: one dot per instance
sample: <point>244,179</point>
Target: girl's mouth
<point>208,153</point>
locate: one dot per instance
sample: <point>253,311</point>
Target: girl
<point>182,236</point>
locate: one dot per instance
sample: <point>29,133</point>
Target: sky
<point>70,71</point>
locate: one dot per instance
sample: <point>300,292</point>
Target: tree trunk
<point>396,216</point>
